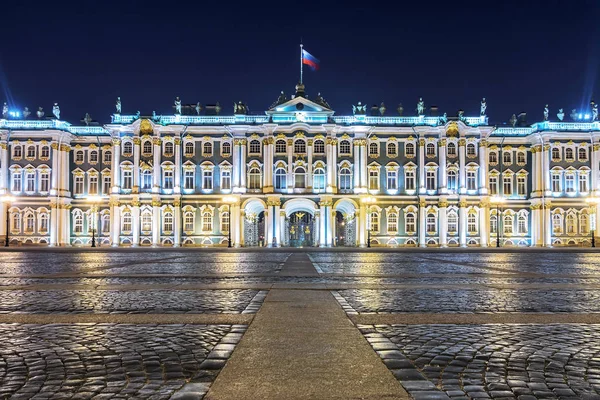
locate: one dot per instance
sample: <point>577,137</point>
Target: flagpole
<point>301,62</point>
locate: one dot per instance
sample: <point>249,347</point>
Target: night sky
<point>520,55</point>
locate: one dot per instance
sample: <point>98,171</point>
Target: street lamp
<point>593,201</point>
<point>229,200</point>
<point>7,199</point>
<point>497,200</point>
<point>369,200</point>
<point>95,200</point>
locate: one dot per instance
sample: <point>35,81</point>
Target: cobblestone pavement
<point>125,301</point>
<point>104,361</point>
<point>491,361</point>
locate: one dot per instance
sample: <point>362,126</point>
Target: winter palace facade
<point>298,175</point>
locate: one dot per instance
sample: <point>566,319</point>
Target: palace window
<point>472,223</point>
<point>507,185</point>
<point>345,179</point>
<point>30,152</point>
<point>169,149</point>
<point>300,177</point>
<point>569,155</point>
<point>522,224</point>
<point>207,179</point>
<point>557,226</point>
<point>471,152</point>
<point>78,223</point>
<point>45,152</point>
<point>107,156</point>
<point>409,149</point>
<point>584,224</point>
<point>582,154</point>
<point>254,147</point>
<point>570,183</point>
<point>571,224</point>
<point>493,158</point>
<point>410,222</point>
<point>146,220</point>
<point>146,179</point>
<point>44,182</point>
<point>93,156</point>
<point>17,152</point>
<point>430,149</point>
<point>226,149</point>
<point>225,221</point>
<point>392,149</point>
<point>188,221</point>
<point>493,185</point>
<point>451,149</point>
<point>345,148</point>
<point>392,180</point>
<point>254,178</point>
<point>431,223</point>
<point>392,223</point>
<point>147,148</point>
<point>522,185</point>
<point>168,179</point>
<point>93,185</point>
<point>79,156</point>
<point>583,182</point>
<point>280,179</point>
<point>319,179</point>
<point>556,183</point>
<point>16,180</point>
<point>300,146</point>
<point>106,184</point>
<point>430,180</point>
<point>319,146</point>
<point>508,224</point>
<point>225,179</point>
<point>452,222</point>
<point>452,181</point>
<point>507,157</point>
<point>30,182</point>
<point>168,222</point>
<point>373,149</point>
<point>127,222</point>
<point>521,159</point>
<point>373,179</point>
<point>127,179</point>
<point>493,224</point>
<point>127,148</point>
<point>43,223</point>
<point>555,154</point>
<point>188,179</point>
<point>280,146</point>
<point>374,221</point>
<point>207,149</point>
<point>78,185</point>
<point>471,180</point>
<point>409,180</point>
<point>188,149</point>
<point>29,223</point>
<point>207,221</point>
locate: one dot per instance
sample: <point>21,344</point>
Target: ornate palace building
<point>299,175</point>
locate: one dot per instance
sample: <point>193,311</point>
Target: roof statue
<point>560,115</point>
<point>26,113</point>
<point>443,119</point>
<point>198,108</point>
<point>546,112</point>
<point>594,110</point>
<point>5,111</point>
<point>137,114</point>
<point>400,109</point>
<point>280,100</point>
<point>320,100</point>
<point>177,106</point>
<point>118,106</point>
<point>240,108</point>
<point>513,120</point>
<point>40,113</point>
<point>87,119</point>
<point>56,110</point>
<point>359,109</point>
<point>461,115</point>
<point>420,107</point>
<point>382,109</point>
<point>483,107</point>
<point>573,114</point>
<point>218,108</point>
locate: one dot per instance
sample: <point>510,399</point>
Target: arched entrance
<point>345,223</point>
<point>301,229</point>
<point>254,223</point>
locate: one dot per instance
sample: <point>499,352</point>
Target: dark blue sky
<point>83,54</point>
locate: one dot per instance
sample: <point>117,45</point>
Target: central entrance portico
<point>301,227</point>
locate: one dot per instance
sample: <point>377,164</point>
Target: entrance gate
<point>301,229</point>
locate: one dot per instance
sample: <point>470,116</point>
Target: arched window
<point>319,179</point>
<point>345,147</point>
<point>452,222</point>
<point>345,179</point>
<point>146,221</point>
<point>43,222</point>
<point>584,224</point>
<point>569,154</point>
<point>30,151</point>
<point>557,223</point>
<point>373,178</point>
<point>254,178</point>
<point>522,224</point>
<point>254,147</point>
<point>93,156</point>
<point>392,149</point>
<point>280,179</point>
<point>507,157</point>
<point>373,148</point>
<point>508,224</point>
<point>319,146</point>
<point>188,221</point>
<point>29,223</point>
<point>571,224</point>
<point>45,152</point>
<point>225,221</point>
<point>168,222</point>
<point>127,147</point>
<point>521,159</point>
<point>582,154</point>
<point>105,223</point>
<point>146,179</point>
<point>107,156</point>
<point>493,157</point>
<point>299,146</point>
<point>189,149</point>
<point>452,181</point>
<point>79,156</point>
<point>451,149</point>
<point>430,149</point>
<point>472,223</point>
<point>392,222</point>
<point>127,222</point>
<point>17,151</point>
<point>78,223</point>
<point>471,150</point>
<point>431,223</point>
<point>493,224</point>
<point>300,178</point>
<point>410,221</point>
<point>169,149</point>
<point>409,149</point>
<point>374,221</point>
<point>147,148</point>
<point>207,221</point>
<point>280,146</point>
<point>207,148</point>
<point>226,148</point>
<point>555,153</point>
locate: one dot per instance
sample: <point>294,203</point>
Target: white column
<point>422,166</point>
<point>3,227</point>
<point>5,171</point>
<point>484,219</point>
<point>334,166</point>
<point>309,170</point>
<point>177,175</point>
<point>290,160</point>
<point>364,178</point>
<point>535,172</point>
<point>462,223</point>
<point>462,177</point>
<point>443,222</point>
<point>278,227</point>
<point>156,225</point>
<point>281,227</point>
<point>422,223</point>
<point>483,167</point>
<point>53,224</point>
<point>136,165</point>
<point>66,223</point>
<point>64,170</point>
<point>594,166</point>
<point>548,225</point>
<point>156,166</point>
<point>333,226</point>
<point>362,225</point>
<point>330,165</point>
<point>177,223</point>
<point>357,166</point>
<point>443,180</point>
<point>243,164</point>
<point>115,226</point>
<point>135,219</point>
<point>115,170</point>
<point>237,167</point>
<point>242,217</point>
<point>268,163</point>
<point>269,226</point>
<point>322,238</point>
<point>546,167</point>
<point>536,226</point>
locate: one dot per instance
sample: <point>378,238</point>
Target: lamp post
<point>593,201</point>
<point>369,200</point>
<point>229,200</point>
<point>497,200</point>
<point>95,200</point>
<point>7,200</point>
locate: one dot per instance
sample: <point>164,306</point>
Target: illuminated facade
<point>298,175</point>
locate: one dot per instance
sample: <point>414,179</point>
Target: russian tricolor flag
<point>310,60</point>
